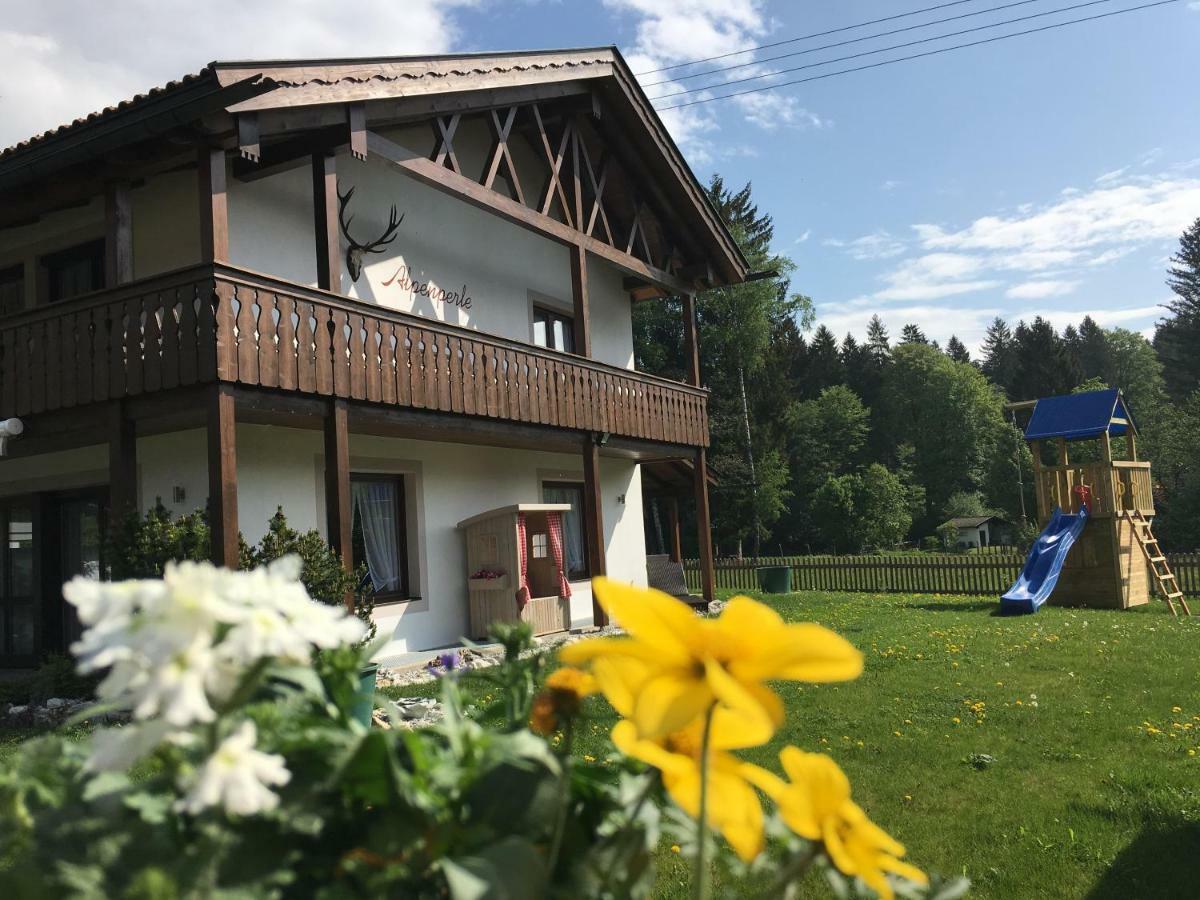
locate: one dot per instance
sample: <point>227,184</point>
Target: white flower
<point>116,749</point>
<point>237,777</point>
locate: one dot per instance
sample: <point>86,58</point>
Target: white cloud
<point>804,237</point>
<point>75,57</point>
<point>877,245</point>
<point>890,185</point>
<point>1114,175</point>
<point>1036,290</point>
<point>773,111</point>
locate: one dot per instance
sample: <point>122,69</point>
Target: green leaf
<point>510,869</point>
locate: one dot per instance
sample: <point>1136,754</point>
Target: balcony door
<point>20,598</point>
<point>49,538</point>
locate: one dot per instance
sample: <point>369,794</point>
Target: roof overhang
<point>1077,417</point>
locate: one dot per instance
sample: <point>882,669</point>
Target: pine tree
<point>1000,355</point>
<point>912,334</point>
<point>1045,365</point>
<point>957,350</point>
<point>825,367</point>
<point>1095,357</point>
<point>877,340</point>
<point>1177,338</point>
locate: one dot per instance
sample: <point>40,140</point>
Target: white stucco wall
<point>442,242</point>
<point>445,484</point>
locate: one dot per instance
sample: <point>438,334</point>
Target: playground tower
<point>1116,558</point>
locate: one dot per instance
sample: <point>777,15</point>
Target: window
<point>573,543</point>
<point>380,533</point>
<point>540,546</point>
<point>12,289</point>
<point>553,330</point>
<point>74,271</point>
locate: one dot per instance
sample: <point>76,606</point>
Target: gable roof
<point>234,87</point>
<point>1077,417</point>
<point>971,521</point>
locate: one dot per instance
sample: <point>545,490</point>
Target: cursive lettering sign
<point>404,280</point>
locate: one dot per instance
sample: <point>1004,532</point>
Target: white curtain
<point>572,523</point>
<point>376,504</point>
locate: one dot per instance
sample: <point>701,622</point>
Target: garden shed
<point>516,568</point>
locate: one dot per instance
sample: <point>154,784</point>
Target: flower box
<point>499,583</point>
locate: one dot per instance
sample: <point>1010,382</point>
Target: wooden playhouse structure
<point>516,569</point>
<point>1116,561</point>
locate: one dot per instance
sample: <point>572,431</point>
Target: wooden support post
<point>122,462</point>
<point>1131,443</point>
<point>222,477</point>
<point>325,222</point>
<point>579,294</point>
<point>675,548</point>
<point>691,340</point>
<point>704,526</point>
<point>1064,455</point>
<point>118,235</point>
<point>1035,452</point>
<point>593,520</point>
<point>338,513</point>
<point>214,206</point>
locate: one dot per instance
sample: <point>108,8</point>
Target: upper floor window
<point>554,330</point>
<point>12,289</point>
<point>74,271</point>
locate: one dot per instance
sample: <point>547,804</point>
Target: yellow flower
<point>732,808</point>
<point>816,805</point>
<point>560,700</point>
<point>674,665</point>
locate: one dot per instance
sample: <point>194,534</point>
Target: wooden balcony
<point>1117,486</point>
<point>216,323</point>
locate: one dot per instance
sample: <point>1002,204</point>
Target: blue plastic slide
<point>1046,558</point>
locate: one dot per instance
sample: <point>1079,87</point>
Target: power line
<point>888,62</point>
<point>803,37</point>
<point>916,43</point>
<point>857,40</point>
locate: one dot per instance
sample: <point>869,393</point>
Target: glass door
<point>19,619</point>
<point>80,526</point>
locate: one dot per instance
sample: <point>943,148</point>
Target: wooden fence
<point>986,574</point>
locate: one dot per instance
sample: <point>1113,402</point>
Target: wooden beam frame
<point>214,206</point>
<point>338,512</point>
<point>580,301</point>
<point>325,222</point>
<point>122,462</point>
<point>691,339</point>
<point>593,520</point>
<point>675,547</point>
<point>437,176</point>
<point>704,526</point>
<point>222,477</point>
<point>118,235</point>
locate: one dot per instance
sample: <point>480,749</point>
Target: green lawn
<point>1089,716</point>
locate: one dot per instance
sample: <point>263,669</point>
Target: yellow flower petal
<point>758,722</point>
<point>650,616</point>
<point>802,652</point>
<point>669,701</point>
<point>620,679</point>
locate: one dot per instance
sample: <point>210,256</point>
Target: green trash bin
<point>364,703</point>
<point>774,579</point>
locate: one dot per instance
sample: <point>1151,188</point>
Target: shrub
<point>141,546</point>
<point>253,779</point>
<point>947,535</point>
<point>321,571</point>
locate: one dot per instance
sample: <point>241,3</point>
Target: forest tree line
<point>862,445</point>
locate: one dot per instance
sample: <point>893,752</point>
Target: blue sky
<point>1049,174</point>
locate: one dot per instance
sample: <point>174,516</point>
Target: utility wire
<point>857,40</point>
<point>803,37</point>
<point>860,55</point>
<point>900,59</point>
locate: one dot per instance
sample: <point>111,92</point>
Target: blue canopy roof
<point>1076,417</point>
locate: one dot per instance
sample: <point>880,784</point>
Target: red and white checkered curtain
<point>523,555</point>
<point>554,524</point>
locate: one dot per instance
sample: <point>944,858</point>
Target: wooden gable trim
<point>438,176</point>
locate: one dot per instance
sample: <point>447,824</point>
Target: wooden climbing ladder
<point>1168,584</point>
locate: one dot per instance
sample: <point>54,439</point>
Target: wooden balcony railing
<point>218,323</point>
<point>1117,486</point>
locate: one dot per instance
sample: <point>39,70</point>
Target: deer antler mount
<point>355,250</point>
